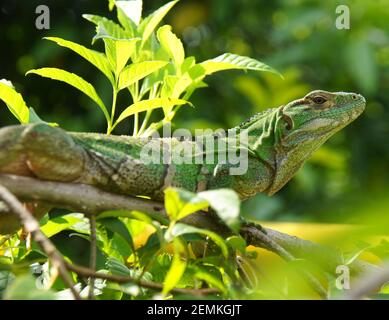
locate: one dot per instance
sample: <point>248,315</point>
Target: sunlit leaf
<point>107,28</point>
<point>58,224</point>
<point>172,45</point>
<point>177,268</point>
<point>150,104</point>
<point>149,24</point>
<point>111,4</point>
<point>228,61</point>
<point>73,80</point>
<point>132,9</point>
<point>225,202</point>
<point>94,57</point>
<point>118,52</point>
<point>14,101</point>
<point>137,71</point>
<point>180,203</point>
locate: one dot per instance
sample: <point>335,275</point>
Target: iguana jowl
<point>280,140</point>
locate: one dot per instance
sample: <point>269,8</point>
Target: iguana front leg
<point>40,151</point>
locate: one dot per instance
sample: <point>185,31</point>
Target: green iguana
<point>279,141</point>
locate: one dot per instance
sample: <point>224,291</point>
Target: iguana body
<point>280,140</point>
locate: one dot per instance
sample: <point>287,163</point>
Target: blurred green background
<point>347,177</point>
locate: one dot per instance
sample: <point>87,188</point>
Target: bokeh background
<point>345,180</point>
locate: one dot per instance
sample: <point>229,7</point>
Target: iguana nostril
<point>354,97</point>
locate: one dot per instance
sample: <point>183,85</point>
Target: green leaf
<point>180,203</point>
<point>203,274</point>
<point>149,24</point>
<point>117,226</point>
<point>107,28</point>
<point>24,288</point>
<point>137,71</point>
<point>177,268</point>
<point>149,104</point>
<point>172,45</point>
<point>132,10</point>
<point>119,51</point>
<point>180,229</point>
<point>237,243</point>
<point>75,81</point>
<point>94,57</point>
<point>14,101</point>
<point>58,224</point>
<point>111,4</point>
<point>225,202</point>
<point>228,61</point>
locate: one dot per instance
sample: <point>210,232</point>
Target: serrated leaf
<point>225,202</point>
<point>119,51</point>
<point>228,61</point>
<point>137,71</point>
<point>94,57</point>
<point>149,24</point>
<point>73,80</point>
<point>132,9</point>
<point>180,203</point>
<point>14,101</point>
<point>172,45</point>
<point>149,104</point>
<point>180,229</point>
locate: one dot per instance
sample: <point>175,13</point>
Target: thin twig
<point>369,282</point>
<point>31,225</point>
<point>86,272</point>
<point>93,252</point>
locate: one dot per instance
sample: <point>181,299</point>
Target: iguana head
<point>297,129</point>
<point>308,123</point>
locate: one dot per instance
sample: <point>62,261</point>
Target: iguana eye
<point>319,100</point>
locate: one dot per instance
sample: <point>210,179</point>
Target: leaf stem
<point>113,109</point>
<point>136,115</point>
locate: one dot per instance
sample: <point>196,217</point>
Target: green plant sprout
<point>139,57</point>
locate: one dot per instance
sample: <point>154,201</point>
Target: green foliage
<point>14,101</point>
<point>346,180</point>
<point>149,62</point>
<point>165,254</point>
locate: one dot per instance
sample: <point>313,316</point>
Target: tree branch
<point>93,253</point>
<point>86,272</point>
<point>90,200</point>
